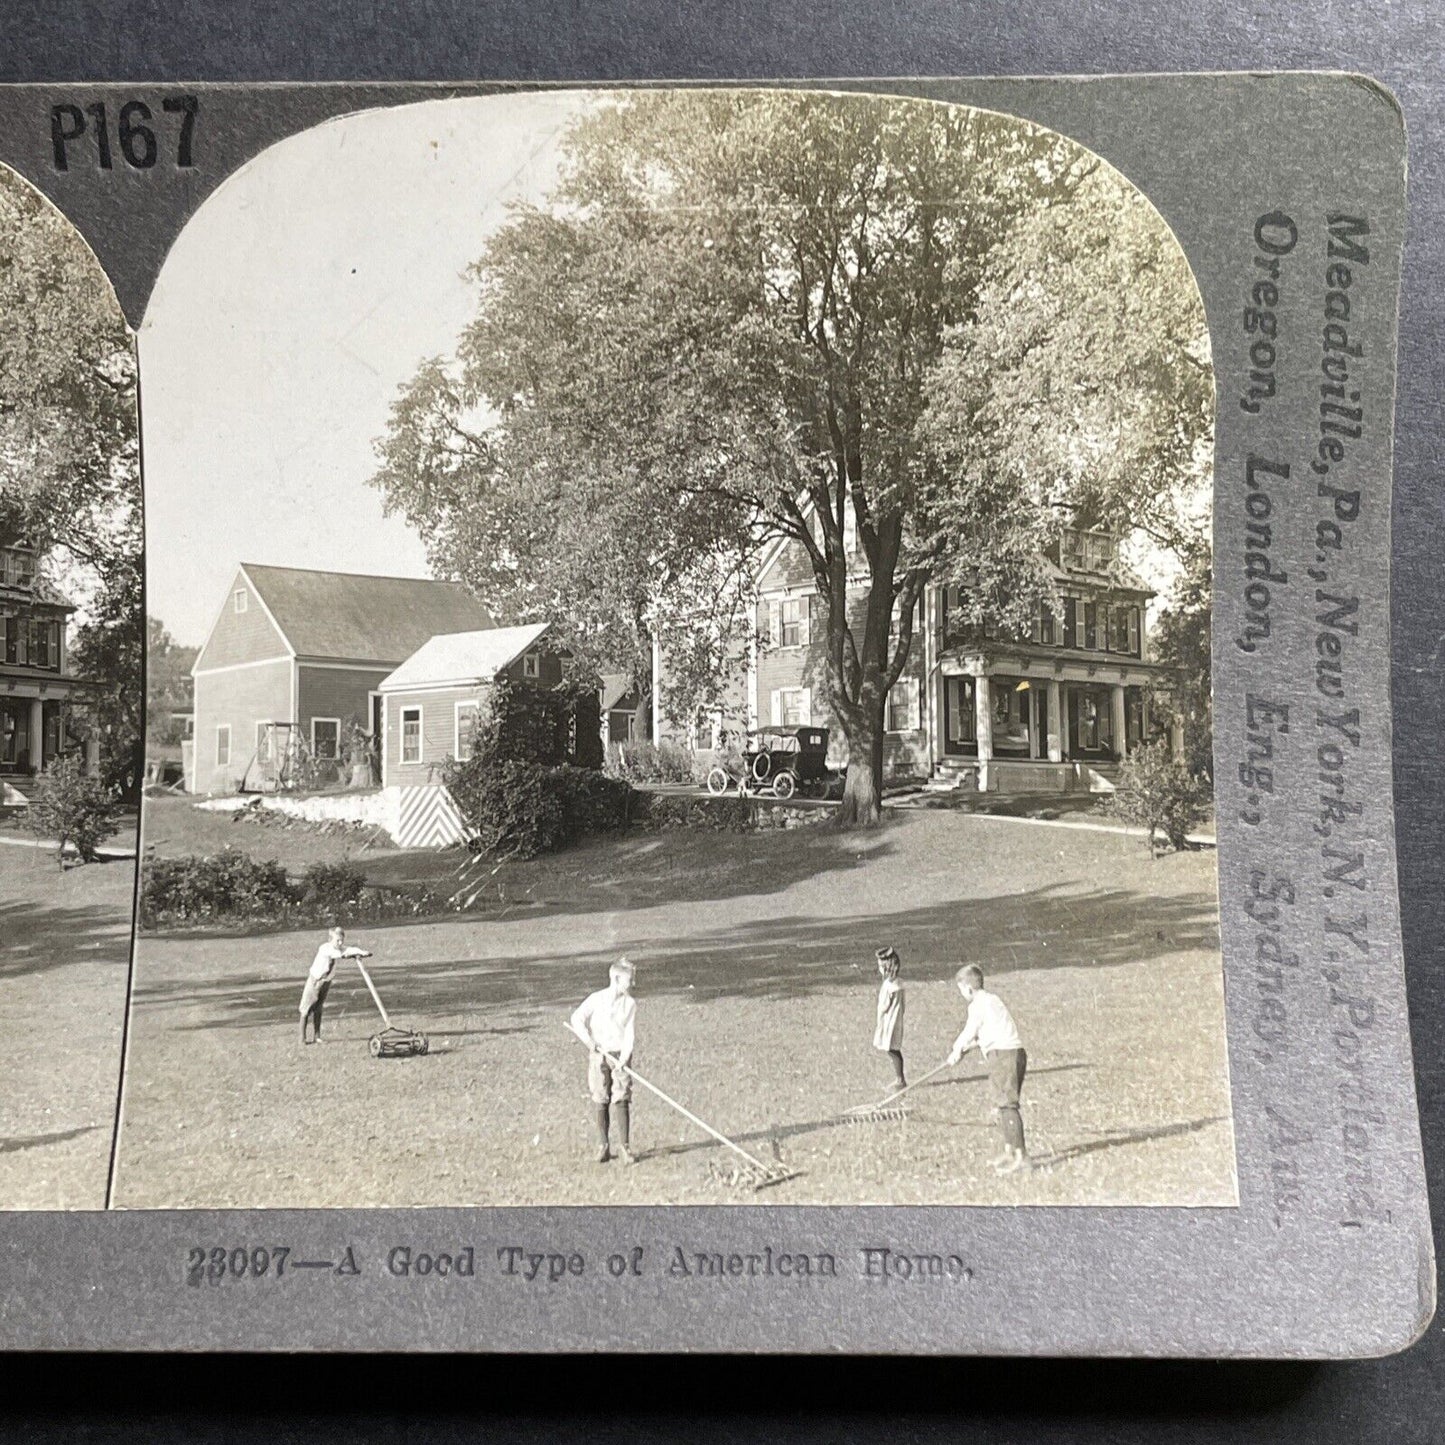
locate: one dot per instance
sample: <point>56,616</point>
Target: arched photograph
<point>679,669</point>
<point>71,702</point>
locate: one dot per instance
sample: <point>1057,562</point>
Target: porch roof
<point>32,683</point>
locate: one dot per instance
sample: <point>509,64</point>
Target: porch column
<point>92,751</point>
<point>1118,720</point>
<point>983,727</point>
<point>1056,721</point>
<point>934,682</point>
<point>656,691</point>
<point>37,735</point>
<point>1176,740</point>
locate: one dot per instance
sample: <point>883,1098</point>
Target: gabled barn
<point>294,661</point>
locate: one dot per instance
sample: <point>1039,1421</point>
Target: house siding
<point>779,668</point>
<point>241,698</point>
<point>342,693</point>
<point>239,637</point>
<point>438,737</point>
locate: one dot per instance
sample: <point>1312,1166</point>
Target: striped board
<point>428,818</point>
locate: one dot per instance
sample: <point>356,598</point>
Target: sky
<point>292,308</point>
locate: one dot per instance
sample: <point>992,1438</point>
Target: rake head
<point>746,1176</point>
<point>875,1114</point>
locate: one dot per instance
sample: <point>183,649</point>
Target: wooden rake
<point>888,1108</point>
<point>752,1172</point>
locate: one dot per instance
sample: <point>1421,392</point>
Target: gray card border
<point>1283,1275</point>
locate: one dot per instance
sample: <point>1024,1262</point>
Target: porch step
<point>11,797</point>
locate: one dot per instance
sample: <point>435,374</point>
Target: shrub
<point>219,885</point>
<point>643,762</point>
<point>518,809</point>
<point>1157,793</point>
<point>333,887</point>
<point>73,807</point>
<point>732,814</point>
<point>229,886</point>
<point>592,802</point>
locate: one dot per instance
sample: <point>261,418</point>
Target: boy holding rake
<point>605,1021</point>
<point>990,1026</point>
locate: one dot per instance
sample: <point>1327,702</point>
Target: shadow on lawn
<point>38,938</point>
<point>769,959</point>
<point>38,1141</point>
<point>776,1134</point>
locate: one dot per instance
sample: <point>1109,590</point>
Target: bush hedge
<point>519,809</point>
<point>231,886</point>
<point>644,762</point>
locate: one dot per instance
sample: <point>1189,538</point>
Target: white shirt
<point>989,1025</point>
<point>328,956</point>
<point>607,1018</point>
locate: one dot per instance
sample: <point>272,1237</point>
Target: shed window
<point>530,665</point>
<point>411,735</point>
<point>325,737</point>
<point>241,599</point>
<point>466,730</point>
<point>223,745</point>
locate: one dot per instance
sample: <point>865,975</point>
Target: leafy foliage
<point>74,807</point>
<point>1156,792</point>
<point>743,315</point>
<point>645,762</point>
<point>230,885</point>
<point>168,683</point>
<point>69,451</point>
<point>333,887</point>
<point>521,809</point>
<point>1181,640</point>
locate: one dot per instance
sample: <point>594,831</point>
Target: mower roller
<point>392,1042</point>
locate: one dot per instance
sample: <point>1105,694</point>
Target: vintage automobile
<point>778,762</point>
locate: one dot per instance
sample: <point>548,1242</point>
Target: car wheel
<point>717,781</point>
<point>762,766</point>
<point>783,785</point>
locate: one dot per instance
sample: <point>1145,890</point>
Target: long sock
<point>602,1121</point>
<point>1013,1126</point>
<point>623,1109</point>
<point>896,1057</point>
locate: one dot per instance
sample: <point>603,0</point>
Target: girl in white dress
<point>888,1032</point>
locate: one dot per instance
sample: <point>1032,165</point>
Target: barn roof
<point>462,658</point>
<point>352,616</point>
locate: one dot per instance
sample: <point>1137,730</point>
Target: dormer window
<point>1082,551</point>
<point>17,568</point>
<point>530,665</point>
<point>241,599</point>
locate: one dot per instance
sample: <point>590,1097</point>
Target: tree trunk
<point>863,785</point>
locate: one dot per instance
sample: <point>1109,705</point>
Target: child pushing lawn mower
<point>391,1042</point>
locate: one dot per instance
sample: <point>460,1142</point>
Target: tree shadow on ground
<point>39,938</point>
<point>36,1141</point>
<point>774,959</point>
<point>609,874</point>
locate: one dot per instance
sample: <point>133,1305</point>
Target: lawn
<point>64,955</point>
<point>756,992</point>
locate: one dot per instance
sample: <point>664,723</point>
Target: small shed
<point>433,701</point>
